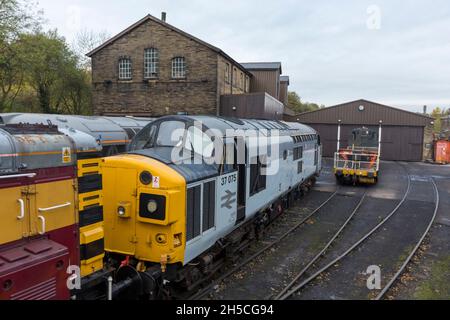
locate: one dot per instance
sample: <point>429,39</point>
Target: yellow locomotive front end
<point>144,210</point>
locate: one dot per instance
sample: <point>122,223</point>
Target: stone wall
<point>197,94</point>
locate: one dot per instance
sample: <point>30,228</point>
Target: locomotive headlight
<point>121,211</point>
<point>152,206</point>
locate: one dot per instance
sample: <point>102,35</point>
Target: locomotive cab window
<point>144,139</point>
<point>258,178</point>
<point>229,161</point>
<point>199,142</point>
<point>170,133</point>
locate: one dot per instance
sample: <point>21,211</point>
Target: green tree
<point>16,17</point>
<point>11,75</point>
<point>51,69</point>
<point>437,114</point>
<point>76,91</point>
<point>295,103</point>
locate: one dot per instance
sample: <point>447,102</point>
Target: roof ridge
<point>372,102</point>
<point>167,25</point>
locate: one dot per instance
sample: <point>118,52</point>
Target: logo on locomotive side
<point>229,199</point>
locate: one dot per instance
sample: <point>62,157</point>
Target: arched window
<point>125,72</point>
<point>179,68</point>
<point>151,63</point>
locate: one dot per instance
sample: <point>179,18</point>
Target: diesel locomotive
<point>52,201</point>
<point>113,133</point>
<point>154,222</point>
<point>172,216</point>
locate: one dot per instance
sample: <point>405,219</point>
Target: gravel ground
<point>427,277</point>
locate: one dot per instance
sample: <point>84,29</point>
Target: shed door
<point>402,143</point>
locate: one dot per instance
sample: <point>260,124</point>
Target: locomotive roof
<point>196,171</point>
<point>101,128</point>
<point>223,124</point>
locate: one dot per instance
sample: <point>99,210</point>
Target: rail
<point>291,289</point>
<point>210,287</point>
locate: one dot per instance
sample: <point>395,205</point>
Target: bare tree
<point>86,41</point>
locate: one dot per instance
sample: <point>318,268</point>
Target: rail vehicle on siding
<point>173,223</point>
<point>114,133</point>
<point>52,201</point>
<point>47,177</point>
<point>139,225</point>
<point>359,162</point>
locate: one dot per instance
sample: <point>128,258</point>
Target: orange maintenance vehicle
<point>359,162</point>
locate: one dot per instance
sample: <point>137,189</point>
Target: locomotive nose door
<point>14,213</point>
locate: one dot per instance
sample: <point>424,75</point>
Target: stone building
<point>154,69</point>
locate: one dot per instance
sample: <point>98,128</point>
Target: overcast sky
<point>392,52</point>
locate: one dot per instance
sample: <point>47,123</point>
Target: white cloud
<point>324,46</point>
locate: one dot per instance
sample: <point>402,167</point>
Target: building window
<point>227,73</point>
<point>151,63</point>
<point>125,72</point>
<point>247,84</point>
<point>241,82</point>
<point>179,68</point>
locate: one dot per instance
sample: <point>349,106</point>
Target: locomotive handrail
<point>42,232</point>
<point>24,175</point>
<point>355,164</point>
<point>55,207</point>
<point>22,209</point>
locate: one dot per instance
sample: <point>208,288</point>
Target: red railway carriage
<point>39,214</point>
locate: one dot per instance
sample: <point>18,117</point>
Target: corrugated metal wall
<point>266,81</point>
<point>403,131</point>
<point>349,113</point>
<point>284,92</point>
<point>251,106</point>
<point>399,143</point>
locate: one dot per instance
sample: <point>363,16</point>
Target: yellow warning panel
<point>66,155</point>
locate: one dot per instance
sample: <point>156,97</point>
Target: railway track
<point>205,291</point>
<point>296,285</point>
<point>325,248</point>
<point>400,271</point>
